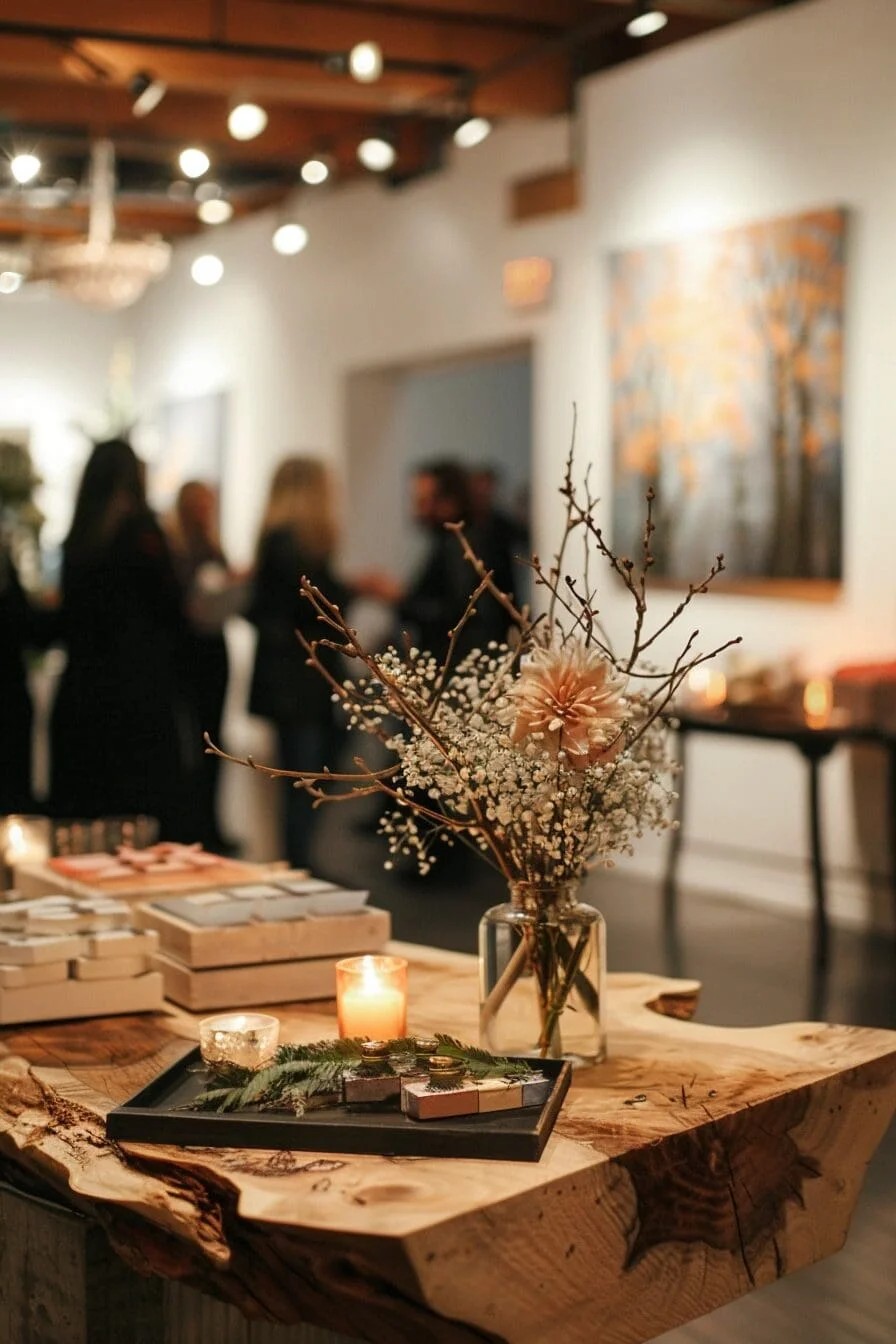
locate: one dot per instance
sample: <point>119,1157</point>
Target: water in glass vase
<point>542,965</point>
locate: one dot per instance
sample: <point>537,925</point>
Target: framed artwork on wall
<point>726,365</point>
<point>188,442</point>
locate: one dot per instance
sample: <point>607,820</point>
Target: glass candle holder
<point>246,1039</point>
<point>372,997</point>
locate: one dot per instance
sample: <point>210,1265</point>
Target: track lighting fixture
<point>645,20</point>
<point>472,132</point>
<point>365,62</point>
<point>194,162</point>
<point>146,91</point>
<point>246,121</point>
<point>377,153</point>
<point>315,170</point>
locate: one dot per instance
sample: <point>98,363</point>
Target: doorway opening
<point>473,408</point>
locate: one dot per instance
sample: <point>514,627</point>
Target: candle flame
<point>15,838</point>
<point>818,699</point>
<point>371,982</point>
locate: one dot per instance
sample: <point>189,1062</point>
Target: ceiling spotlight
<point>646,21</point>
<point>215,210</point>
<point>365,62</point>
<point>147,92</point>
<point>289,239</point>
<point>10,281</point>
<point>25,167</point>
<point>179,190</point>
<point>206,191</point>
<point>194,162</point>
<point>377,154</point>
<point>315,171</point>
<point>207,269</point>
<point>472,132</point>
<point>246,121</point>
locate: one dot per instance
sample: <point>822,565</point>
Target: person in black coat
<point>438,593</point>
<point>297,539</point>
<point>18,632</point>
<point>115,745</point>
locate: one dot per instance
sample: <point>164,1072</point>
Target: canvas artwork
<point>187,442</point>
<point>727,356</point>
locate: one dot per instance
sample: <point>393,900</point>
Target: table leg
<point>818,878</point>
<point>676,837</point>
<point>891,818</point>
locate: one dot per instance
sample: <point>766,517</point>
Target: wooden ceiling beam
<point>267,27</point>
<point>301,83</point>
<point>201,119</point>
<point>186,19</point>
<point>514,13</point>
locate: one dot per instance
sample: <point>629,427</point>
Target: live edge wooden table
<point>696,1164</point>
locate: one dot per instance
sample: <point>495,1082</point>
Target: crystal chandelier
<point>103,272</point>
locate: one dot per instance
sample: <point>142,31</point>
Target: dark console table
<point>814,746</point>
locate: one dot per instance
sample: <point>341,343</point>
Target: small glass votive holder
<point>248,1040</point>
<point>372,997</point>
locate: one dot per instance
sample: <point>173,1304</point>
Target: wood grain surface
<point>695,1164</point>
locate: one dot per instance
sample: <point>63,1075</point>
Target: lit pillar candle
<point>371,997</point>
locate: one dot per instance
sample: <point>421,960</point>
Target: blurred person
<point>438,593</point>
<point>297,538</point>
<point>501,538</point>
<point>115,744</point>
<point>18,633</point>
<point>213,593</point>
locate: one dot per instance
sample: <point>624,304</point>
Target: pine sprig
<point>302,1075</point>
<point>479,1063</point>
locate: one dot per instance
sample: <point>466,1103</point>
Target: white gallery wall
<point>789,111</point>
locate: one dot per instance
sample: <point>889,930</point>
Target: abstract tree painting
<point>727,355</point>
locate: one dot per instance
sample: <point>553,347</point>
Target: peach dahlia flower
<point>574,700</point>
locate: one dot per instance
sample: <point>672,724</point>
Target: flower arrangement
<point>546,754</point>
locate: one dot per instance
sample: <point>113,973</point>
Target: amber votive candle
<point>372,997</point>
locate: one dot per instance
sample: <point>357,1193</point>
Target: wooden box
<point>259,944</point>
<point>247,986</point>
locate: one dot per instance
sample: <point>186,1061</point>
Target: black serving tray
<point>153,1115</point>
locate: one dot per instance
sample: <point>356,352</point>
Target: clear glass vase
<point>542,971</point>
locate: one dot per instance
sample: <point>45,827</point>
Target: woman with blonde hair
<point>297,537</point>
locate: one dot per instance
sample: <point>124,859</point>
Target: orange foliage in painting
<point>728,349</point>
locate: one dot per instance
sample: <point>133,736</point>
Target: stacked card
<point>135,874</point>
<point>61,958</point>
<point>270,942</point>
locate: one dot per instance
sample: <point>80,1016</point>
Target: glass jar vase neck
<point>536,897</point>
